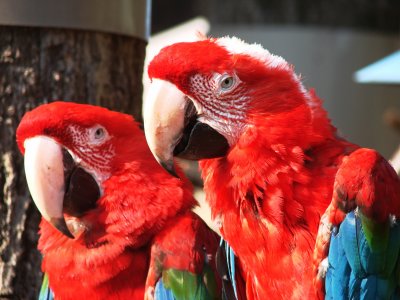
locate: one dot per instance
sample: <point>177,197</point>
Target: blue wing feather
<point>358,270</point>
<point>161,293</point>
<point>230,255</point>
<point>339,272</point>
<point>348,240</point>
<point>233,285</point>
<point>354,286</point>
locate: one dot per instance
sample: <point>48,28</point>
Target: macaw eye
<point>97,134</point>
<point>227,82</point>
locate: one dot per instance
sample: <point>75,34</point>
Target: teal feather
<point>231,266</point>
<point>45,291</point>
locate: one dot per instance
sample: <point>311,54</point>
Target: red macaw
<point>271,162</point>
<point>115,225</point>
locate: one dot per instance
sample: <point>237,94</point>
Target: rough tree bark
<point>42,65</point>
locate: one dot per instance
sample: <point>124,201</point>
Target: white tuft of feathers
<point>323,268</point>
<point>235,45</point>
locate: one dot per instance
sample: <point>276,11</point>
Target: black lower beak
<point>199,140</point>
<point>81,193</point>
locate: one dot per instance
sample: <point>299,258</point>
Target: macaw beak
<point>172,127</point>
<point>57,185</point>
<point>164,121</point>
<point>44,170</point>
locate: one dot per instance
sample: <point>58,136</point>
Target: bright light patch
<point>236,46</point>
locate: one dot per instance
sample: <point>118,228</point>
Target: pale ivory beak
<point>164,115</point>
<point>44,171</point>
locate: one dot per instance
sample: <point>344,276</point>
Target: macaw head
<point>206,94</point>
<point>70,151</point>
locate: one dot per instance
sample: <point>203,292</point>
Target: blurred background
<point>326,41</point>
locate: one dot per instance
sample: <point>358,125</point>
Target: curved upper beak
<point>44,171</point>
<point>164,121</point>
<point>172,127</point>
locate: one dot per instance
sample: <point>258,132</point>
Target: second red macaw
<point>115,225</point>
<point>272,165</point>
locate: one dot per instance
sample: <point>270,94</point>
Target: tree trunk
<point>40,65</point>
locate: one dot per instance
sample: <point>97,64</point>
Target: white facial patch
<point>236,46</point>
<point>93,159</point>
<point>222,110</point>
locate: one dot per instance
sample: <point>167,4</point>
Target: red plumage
<point>366,182</point>
<point>363,178</point>
<point>140,205</point>
<point>273,200</point>
<point>277,178</point>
